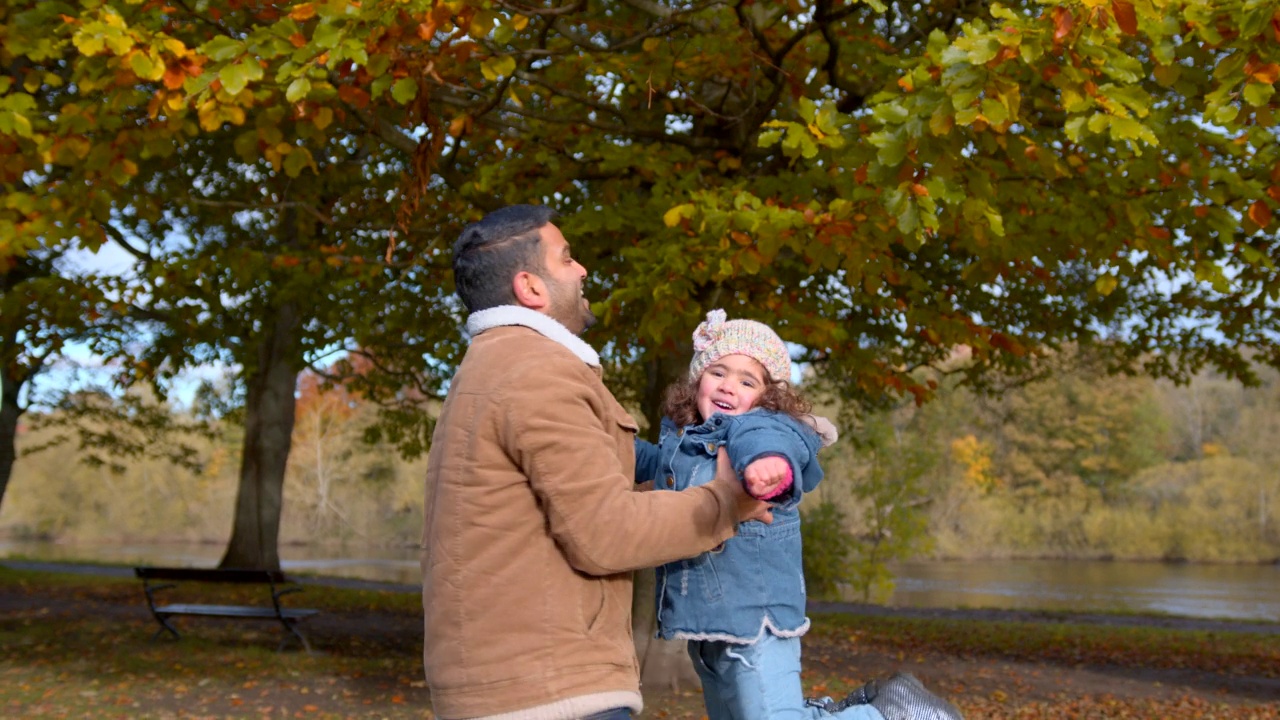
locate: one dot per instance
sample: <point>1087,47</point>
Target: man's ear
<point>530,290</point>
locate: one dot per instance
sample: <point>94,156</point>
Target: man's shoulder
<point>519,360</point>
<point>517,346</point>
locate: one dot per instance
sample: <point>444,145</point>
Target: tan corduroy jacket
<point>533,528</point>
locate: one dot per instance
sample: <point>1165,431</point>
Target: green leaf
<point>892,147</point>
<point>1074,128</point>
<point>298,89</point>
<point>296,161</point>
<point>88,43</point>
<point>892,112</point>
<point>222,48</point>
<point>994,111</point>
<point>984,49</point>
<point>234,78</point>
<point>497,66</point>
<point>404,90</point>
<point>380,85</point>
<point>327,36</point>
<point>995,220</point>
<point>807,109</point>
<point>1258,94</point>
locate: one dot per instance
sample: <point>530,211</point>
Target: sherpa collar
<point>504,315</point>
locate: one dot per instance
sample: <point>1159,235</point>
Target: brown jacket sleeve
<point>576,446</point>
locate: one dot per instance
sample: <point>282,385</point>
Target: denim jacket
<point>754,582</point>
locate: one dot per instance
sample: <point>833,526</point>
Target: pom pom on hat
<point>717,337</point>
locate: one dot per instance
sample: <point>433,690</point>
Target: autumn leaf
<point>1125,16</point>
<point>1063,21</point>
<point>1260,213</point>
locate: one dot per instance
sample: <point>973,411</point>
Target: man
<point>532,524</point>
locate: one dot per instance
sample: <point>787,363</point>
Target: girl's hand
<point>767,476</point>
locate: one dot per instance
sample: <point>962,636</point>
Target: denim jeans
<point>759,682</point>
<point>614,714</point>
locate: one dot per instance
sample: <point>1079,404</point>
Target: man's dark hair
<point>490,252</point>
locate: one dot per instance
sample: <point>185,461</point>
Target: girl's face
<point>731,386</point>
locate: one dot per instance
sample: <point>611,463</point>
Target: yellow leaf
<point>672,217</point>
<point>1105,284</point>
<point>519,22</point>
<point>651,44</point>
<point>323,117</point>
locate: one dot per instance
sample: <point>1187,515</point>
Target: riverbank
<point>861,609</point>
<point>80,645</point>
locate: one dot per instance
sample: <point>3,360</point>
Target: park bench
<point>288,617</point>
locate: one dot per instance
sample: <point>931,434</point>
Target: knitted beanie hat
<point>716,338</point>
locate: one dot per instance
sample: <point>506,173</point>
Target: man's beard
<point>569,307</point>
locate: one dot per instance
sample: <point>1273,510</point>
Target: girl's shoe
<point>901,697</point>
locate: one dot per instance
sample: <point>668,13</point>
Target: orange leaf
<point>305,11</point>
<point>174,77</point>
<point>1125,17</point>
<point>1274,192</point>
<point>353,96</point>
<point>1260,213</point>
<point>1267,74</point>
<point>1063,21</point>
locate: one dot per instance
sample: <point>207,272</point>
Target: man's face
<point>563,276</point>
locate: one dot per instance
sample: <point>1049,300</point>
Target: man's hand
<point>766,476</point>
<point>749,508</point>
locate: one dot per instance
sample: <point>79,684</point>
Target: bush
<point>828,550</point>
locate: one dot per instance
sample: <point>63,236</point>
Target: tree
<point>880,182</point>
<point>40,311</point>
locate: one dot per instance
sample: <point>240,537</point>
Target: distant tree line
<point>1072,463</point>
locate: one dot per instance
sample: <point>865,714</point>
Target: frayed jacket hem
<point>574,707</point>
<point>766,628</point>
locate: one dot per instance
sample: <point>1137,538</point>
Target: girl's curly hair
<point>681,401</point>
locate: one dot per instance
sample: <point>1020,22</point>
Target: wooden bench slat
<point>216,575</point>
<point>245,611</point>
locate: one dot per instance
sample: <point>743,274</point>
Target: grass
<point>80,646</point>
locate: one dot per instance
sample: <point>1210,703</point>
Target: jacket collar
<point>549,327</point>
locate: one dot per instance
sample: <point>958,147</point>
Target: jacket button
<point>711,447</point>
<point>671,482</point>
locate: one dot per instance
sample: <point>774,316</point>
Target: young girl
<point>742,605</point>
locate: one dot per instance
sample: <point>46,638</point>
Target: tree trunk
<point>268,426</point>
<point>663,663</point>
<point>9,414</point>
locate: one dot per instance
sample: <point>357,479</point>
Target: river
<point>1241,592</point>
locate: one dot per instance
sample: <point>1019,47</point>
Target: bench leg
<point>164,627</point>
<point>293,631</point>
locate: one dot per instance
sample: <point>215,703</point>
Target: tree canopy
<point>883,182</point>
